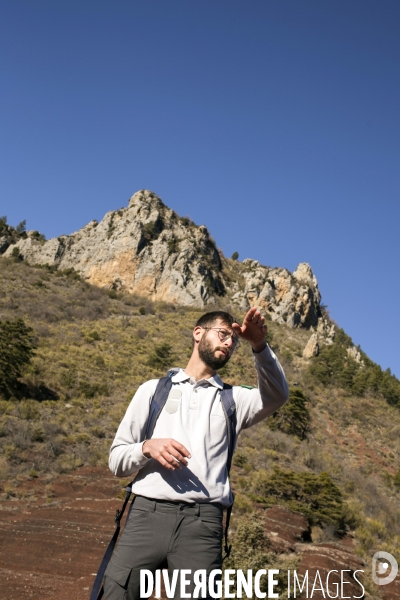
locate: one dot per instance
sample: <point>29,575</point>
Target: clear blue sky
<point>273,122</point>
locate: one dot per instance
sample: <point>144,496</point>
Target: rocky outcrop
<point>355,354</point>
<point>144,249</point>
<point>312,347</point>
<point>291,298</point>
<point>147,249</point>
<point>326,329</point>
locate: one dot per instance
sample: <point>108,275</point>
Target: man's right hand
<point>168,452</point>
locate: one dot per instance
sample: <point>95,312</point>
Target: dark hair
<point>209,318</point>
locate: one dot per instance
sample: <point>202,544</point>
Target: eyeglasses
<point>224,335</point>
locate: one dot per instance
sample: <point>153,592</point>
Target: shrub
<point>250,549</point>
<point>15,253</point>
<point>98,432</point>
<point>152,230</point>
<point>149,230</point>
<point>38,434</point>
<point>396,479</point>
<point>70,272</point>
<point>40,237</point>
<point>239,459</point>
<point>94,336</point>
<point>90,390</point>
<point>161,357</point>
<point>314,495</point>
<point>141,333</point>
<point>173,246</point>
<point>69,377</point>
<point>187,222</point>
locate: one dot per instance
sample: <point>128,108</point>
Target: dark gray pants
<point>186,536</point>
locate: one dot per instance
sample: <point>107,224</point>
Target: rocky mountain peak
<point>304,275</point>
<point>147,249</point>
<point>146,199</point>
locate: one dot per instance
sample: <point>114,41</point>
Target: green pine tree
<point>16,350</point>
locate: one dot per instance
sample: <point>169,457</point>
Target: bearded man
<point>182,485</point>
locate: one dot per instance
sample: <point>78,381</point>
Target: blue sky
<point>273,122</point>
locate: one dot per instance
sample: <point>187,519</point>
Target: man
<point>182,485</point>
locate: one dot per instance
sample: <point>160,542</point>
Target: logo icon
<point>380,565</point>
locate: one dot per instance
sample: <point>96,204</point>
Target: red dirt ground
<point>52,551</point>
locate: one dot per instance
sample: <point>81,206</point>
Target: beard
<point>207,354</point>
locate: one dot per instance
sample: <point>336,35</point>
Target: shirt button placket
<point>193,400</point>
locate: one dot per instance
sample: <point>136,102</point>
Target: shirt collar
<point>179,376</point>
<point>182,376</point>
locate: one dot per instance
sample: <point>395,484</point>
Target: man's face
<point>212,351</point>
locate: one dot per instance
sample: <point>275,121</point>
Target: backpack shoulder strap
<point>158,402</point>
<point>229,407</point>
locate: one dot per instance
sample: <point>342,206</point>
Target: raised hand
<point>253,329</point>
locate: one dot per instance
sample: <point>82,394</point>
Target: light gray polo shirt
<point>193,415</point>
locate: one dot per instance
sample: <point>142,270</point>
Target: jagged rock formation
<point>149,250</point>
<point>355,354</point>
<point>312,347</point>
<point>326,329</point>
<point>144,249</point>
<point>291,298</point>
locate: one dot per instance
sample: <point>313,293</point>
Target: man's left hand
<point>253,329</point>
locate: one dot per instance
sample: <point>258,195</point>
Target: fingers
<point>180,448</point>
<point>165,463</point>
<point>258,319</point>
<point>236,328</point>
<point>178,454</point>
<point>254,329</point>
<point>254,317</point>
<point>250,314</point>
<point>168,452</point>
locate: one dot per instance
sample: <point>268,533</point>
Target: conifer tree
<point>16,350</point>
